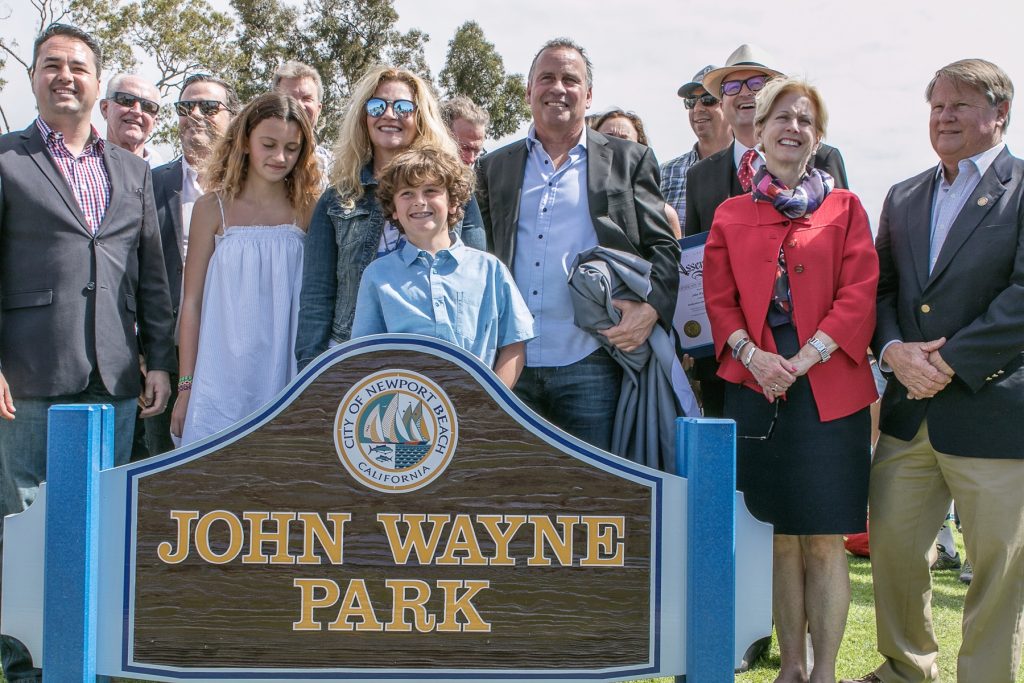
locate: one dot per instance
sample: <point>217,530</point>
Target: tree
<point>268,36</point>
<point>343,38</point>
<point>475,69</point>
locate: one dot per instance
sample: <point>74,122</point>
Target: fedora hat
<point>688,89</point>
<point>744,58</point>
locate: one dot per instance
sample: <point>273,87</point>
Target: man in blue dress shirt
<point>558,192</point>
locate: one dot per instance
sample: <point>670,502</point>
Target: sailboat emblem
<point>395,431</point>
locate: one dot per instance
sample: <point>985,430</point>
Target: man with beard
<point>205,109</point>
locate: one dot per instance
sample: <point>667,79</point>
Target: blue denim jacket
<point>340,244</point>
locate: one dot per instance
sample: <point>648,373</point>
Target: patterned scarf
<point>802,200</point>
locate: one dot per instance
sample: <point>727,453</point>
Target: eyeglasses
<point>754,83</point>
<point>127,100</point>
<point>206,107</point>
<point>707,99</point>
<point>771,425</point>
<point>376,106</point>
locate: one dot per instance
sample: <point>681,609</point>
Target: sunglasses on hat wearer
<point>207,107</point>
<point>376,106</point>
<point>754,83</point>
<point>127,100</point>
<point>707,99</point>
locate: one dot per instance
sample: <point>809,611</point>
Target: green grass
<point>857,655</point>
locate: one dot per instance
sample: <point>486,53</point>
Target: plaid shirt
<point>673,180</point>
<point>86,175</point>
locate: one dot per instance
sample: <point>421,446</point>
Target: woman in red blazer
<point>790,274</point>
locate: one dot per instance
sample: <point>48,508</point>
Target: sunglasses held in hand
<point>206,107</point>
<point>127,100</point>
<point>376,106</point>
<point>754,83</point>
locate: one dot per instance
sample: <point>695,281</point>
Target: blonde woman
<point>240,306</point>
<point>390,110</point>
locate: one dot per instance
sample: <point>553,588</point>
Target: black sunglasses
<point>207,107</point>
<point>754,83</point>
<point>376,106</point>
<point>707,99</point>
<point>128,100</point>
<point>771,425</point>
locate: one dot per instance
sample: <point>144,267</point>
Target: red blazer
<point>833,275</point>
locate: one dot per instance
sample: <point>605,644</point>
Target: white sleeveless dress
<point>247,331</point>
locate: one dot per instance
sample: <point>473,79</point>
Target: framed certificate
<point>691,319</point>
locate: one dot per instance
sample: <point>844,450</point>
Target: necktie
<point>746,170</point>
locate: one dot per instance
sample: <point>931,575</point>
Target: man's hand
<point>638,319</point>
<point>910,362</point>
<point>939,364</point>
<point>155,394</point>
<point>7,408</point>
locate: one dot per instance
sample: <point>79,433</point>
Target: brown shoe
<point>866,678</point>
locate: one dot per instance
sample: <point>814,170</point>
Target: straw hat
<point>744,58</point>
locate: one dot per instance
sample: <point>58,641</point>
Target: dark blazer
<point>711,181</point>
<point>70,300</point>
<point>626,207</point>
<point>974,297</point>
<point>167,193</point>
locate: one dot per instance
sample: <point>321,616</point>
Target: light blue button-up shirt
<point>554,226</point>
<point>462,295</point>
<point>950,198</point>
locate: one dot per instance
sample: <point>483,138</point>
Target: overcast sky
<point>871,60</point>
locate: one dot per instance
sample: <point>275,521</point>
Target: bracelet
<point>820,347</point>
<point>750,356</point>
<point>184,383</point>
<point>739,347</point>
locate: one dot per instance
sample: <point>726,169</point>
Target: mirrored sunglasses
<point>127,100</point>
<point>206,107</point>
<point>706,99</point>
<point>376,106</point>
<point>754,83</point>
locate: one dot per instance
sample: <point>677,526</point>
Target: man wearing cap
<point>713,134</point>
<point>711,181</point>
<point>950,320</point>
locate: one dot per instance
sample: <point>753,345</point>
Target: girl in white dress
<point>244,268</point>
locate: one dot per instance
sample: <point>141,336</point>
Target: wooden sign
<point>395,514</point>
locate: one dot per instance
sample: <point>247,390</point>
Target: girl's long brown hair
<point>228,166</point>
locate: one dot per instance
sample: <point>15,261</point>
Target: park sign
<point>394,514</point>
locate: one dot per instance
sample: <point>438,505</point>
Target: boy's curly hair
<point>426,164</point>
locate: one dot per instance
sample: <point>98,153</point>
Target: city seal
<point>395,431</point>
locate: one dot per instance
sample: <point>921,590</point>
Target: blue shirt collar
<point>980,161</point>
<point>366,176</point>
<point>410,253</point>
<point>532,140</point>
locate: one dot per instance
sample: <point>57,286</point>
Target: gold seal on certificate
<point>691,320</point>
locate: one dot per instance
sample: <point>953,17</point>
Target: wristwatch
<point>820,347</point>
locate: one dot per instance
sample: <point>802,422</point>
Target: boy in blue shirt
<point>433,284</point>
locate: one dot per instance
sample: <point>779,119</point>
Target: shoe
<point>866,678</point>
<point>967,574</point>
<point>945,560</point>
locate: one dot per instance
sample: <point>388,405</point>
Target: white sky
<point>871,60</point>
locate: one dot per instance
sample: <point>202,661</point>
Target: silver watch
<point>820,347</point>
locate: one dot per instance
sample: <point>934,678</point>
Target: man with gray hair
<point>130,109</point>
<point>303,82</point>
<point>467,122</point>
<point>951,331</point>
<point>564,189</point>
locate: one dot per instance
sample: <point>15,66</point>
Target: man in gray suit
<point>562,190</point>
<point>951,330</point>
<point>80,266</point>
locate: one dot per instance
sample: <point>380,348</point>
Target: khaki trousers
<point>911,488</point>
